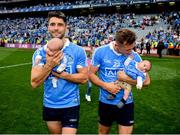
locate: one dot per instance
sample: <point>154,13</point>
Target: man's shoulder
<point>102,48</point>
<point>40,51</point>
<point>75,46</point>
<point>135,53</point>
<point>74,49</point>
<point>136,56</point>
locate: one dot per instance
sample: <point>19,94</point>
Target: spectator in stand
<point>2,42</point>
<point>170,48</point>
<point>160,47</point>
<point>94,27</point>
<point>142,45</point>
<point>177,49</point>
<point>148,47</point>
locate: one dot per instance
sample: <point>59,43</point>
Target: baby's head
<point>145,66</point>
<point>54,45</point>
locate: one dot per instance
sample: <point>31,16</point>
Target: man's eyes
<point>54,24</point>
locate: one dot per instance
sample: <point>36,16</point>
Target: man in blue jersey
<point>107,61</point>
<point>61,103</point>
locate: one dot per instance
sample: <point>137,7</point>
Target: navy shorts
<point>110,113</point>
<point>69,117</point>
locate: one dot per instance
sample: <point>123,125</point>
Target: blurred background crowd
<point>91,25</point>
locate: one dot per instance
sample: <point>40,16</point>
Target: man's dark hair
<point>125,36</point>
<point>57,14</point>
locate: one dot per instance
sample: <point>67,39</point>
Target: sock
<point>123,100</point>
<point>121,103</point>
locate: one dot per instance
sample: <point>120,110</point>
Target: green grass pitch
<point>157,108</point>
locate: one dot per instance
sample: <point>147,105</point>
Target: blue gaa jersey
<point>67,93</point>
<point>132,71</point>
<point>109,63</point>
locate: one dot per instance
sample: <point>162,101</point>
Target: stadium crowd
<point>61,3</point>
<point>93,30</point>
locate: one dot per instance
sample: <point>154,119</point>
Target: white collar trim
<point>66,44</point>
<point>111,45</point>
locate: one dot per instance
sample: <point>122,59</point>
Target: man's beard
<point>60,37</point>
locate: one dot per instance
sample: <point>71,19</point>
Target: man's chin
<point>57,36</point>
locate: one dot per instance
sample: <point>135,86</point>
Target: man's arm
<point>147,81</point>
<point>110,87</point>
<point>81,77</point>
<point>125,78</point>
<point>40,73</point>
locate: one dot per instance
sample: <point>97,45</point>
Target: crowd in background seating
<point>61,3</point>
<point>92,30</point>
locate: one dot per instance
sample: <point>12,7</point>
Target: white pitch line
<point>17,65</point>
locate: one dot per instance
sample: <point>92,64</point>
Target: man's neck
<point>115,48</point>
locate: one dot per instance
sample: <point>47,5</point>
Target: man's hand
<point>125,78</point>
<point>122,76</point>
<point>124,85</point>
<point>53,60</point>
<point>80,78</point>
<point>59,75</point>
<point>112,87</point>
<point>147,81</point>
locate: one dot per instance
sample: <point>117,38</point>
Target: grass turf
<point>156,106</point>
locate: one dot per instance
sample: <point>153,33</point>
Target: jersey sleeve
<point>96,58</point>
<point>37,58</point>
<point>81,58</point>
<point>137,57</point>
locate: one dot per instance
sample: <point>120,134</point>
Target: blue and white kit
<point>109,63</point>
<point>66,94</point>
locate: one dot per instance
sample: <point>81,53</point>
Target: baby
<point>54,45</point>
<point>135,70</point>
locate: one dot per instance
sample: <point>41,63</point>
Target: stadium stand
<point>93,28</point>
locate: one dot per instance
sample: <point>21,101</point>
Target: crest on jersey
<point>116,63</point>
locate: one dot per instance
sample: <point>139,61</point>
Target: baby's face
<point>54,46</point>
<point>144,66</point>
